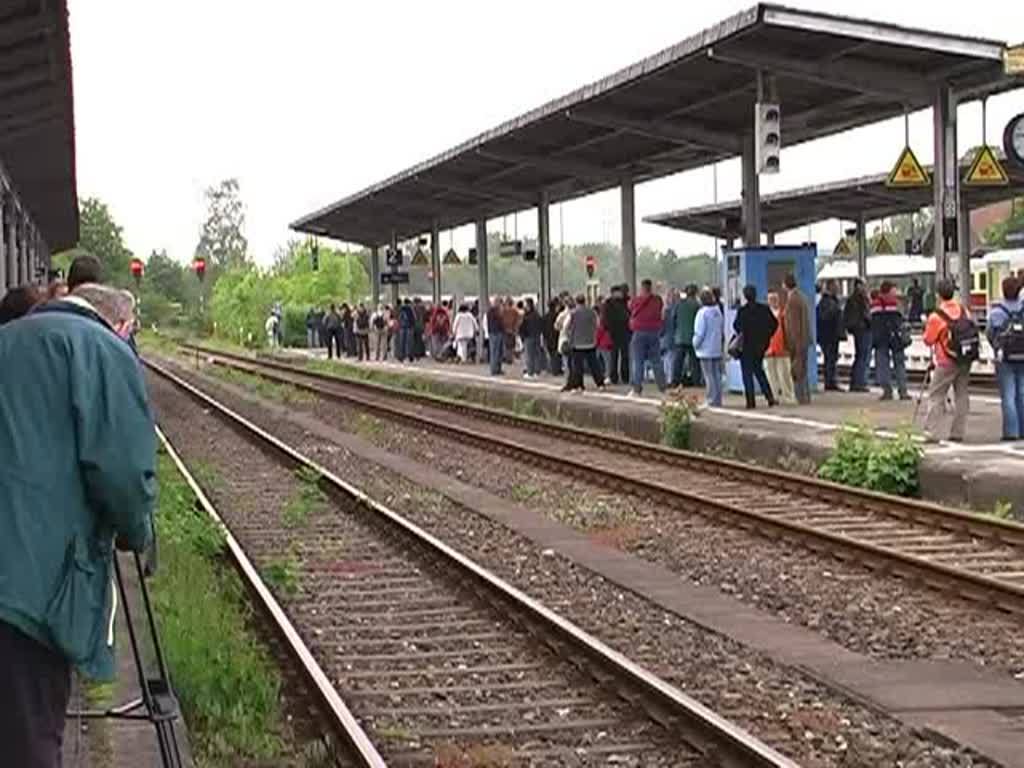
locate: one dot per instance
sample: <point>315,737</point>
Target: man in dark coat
<point>857,320</point>
<point>755,325</point>
<point>79,453</point>
<point>617,318</point>
<point>830,332</point>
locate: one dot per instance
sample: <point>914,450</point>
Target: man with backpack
<point>956,343</point>
<point>1006,333</point>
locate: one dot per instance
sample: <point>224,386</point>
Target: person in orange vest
<point>955,342</point>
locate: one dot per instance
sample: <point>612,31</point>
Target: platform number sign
<point>393,257</point>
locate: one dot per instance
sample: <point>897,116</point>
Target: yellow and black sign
<point>986,170</point>
<point>842,248</point>
<point>882,246</point>
<point>420,259</point>
<point>908,172</point>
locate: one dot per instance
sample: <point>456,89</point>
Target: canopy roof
<point>847,200</point>
<point>37,129</point>
<point>682,108</point>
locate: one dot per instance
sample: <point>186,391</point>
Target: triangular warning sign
<point>882,246</point>
<point>842,248</point>
<point>420,259</point>
<point>986,170</point>
<point>451,257</point>
<point>908,172</point>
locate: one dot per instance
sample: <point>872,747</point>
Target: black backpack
<point>964,338</point>
<point>1010,340</point>
<point>379,322</point>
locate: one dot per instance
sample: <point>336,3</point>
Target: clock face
<point>1014,139</point>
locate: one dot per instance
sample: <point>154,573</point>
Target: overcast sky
<point>310,100</point>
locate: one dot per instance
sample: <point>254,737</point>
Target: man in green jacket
<point>77,471</point>
<point>685,366</point>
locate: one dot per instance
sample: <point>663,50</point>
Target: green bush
<point>863,460</point>
<point>676,421</point>
<point>294,321</point>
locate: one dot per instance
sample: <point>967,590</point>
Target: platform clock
<point>1013,140</point>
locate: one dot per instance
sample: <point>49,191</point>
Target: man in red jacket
<point>645,319</point>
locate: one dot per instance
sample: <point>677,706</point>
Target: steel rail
<point>977,587</point>
<point>936,515</point>
<point>699,726</point>
<point>343,722</point>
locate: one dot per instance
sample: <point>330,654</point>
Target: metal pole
<point>862,247</point>
<point>435,262</point>
<point>394,286</point>
<point>964,278</point>
<point>12,243</point>
<point>751,195</point>
<point>3,243</point>
<point>629,235</point>
<point>375,275</point>
<point>483,293</point>
<point>544,248</point>
<point>946,175</point>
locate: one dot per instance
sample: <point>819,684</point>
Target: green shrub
<point>863,460</point>
<point>677,420</point>
<point>294,326</point>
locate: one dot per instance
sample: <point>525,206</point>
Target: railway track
<point>439,661</point>
<point>978,558</point>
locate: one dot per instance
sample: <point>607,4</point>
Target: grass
<point>523,492</point>
<point>282,573</point>
<point>307,501</point>
<point>269,390</point>
<point>227,683</point>
<point>366,425</point>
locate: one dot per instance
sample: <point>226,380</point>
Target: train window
<point>982,281</point>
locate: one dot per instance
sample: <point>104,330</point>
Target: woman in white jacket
<point>464,329</point>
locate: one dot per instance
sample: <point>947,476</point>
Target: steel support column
<point>964,249</point>
<point>751,195</point>
<point>770,238</point>
<point>394,286</point>
<point>24,248</point>
<point>629,235</point>
<point>544,250</point>
<point>483,292</point>
<point>862,247</point>
<point>375,276</point>
<point>435,262</point>
<point>945,181</point>
<point>3,242</point>
<point>11,235</point>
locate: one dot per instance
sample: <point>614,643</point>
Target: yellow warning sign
<point>882,246</point>
<point>986,170</point>
<point>842,248</point>
<point>420,259</point>
<point>908,172</point>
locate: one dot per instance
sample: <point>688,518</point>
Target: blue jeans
<point>861,359</point>
<point>1011,392</point>
<point>495,350</point>
<point>645,347</point>
<point>884,354</point>
<point>404,351</point>
<point>711,367</point>
<point>531,344</point>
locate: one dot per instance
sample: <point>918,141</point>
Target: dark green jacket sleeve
<point>116,441</point>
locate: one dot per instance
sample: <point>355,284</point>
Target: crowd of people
<point>78,480</point>
<point>681,339</point>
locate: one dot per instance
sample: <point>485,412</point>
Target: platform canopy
<point>847,200</point>
<point>37,130</point>
<point>682,108</point>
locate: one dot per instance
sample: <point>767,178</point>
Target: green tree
<point>222,239</point>
<point>996,234</point>
<point>166,277</point>
<point>102,237</point>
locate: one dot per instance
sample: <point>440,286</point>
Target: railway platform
<point>979,473</point>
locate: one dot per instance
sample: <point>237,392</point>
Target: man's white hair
<point>112,304</point>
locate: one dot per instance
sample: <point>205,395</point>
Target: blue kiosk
<point>765,267</point>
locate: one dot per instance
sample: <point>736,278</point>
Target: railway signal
<point>591,265</point>
<point>199,267</point>
<point>137,269</point>
<point>768,130</point>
